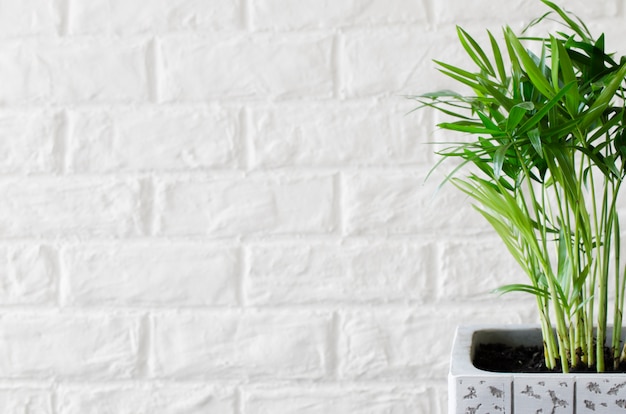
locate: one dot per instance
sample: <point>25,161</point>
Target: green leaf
<point>498,160</point>
<point>535,73</point>
<point>564,263</point>
<point>605,129</point>
<point>543,111</point>
<point>464,80</point>
<point>517,113</point>
<point>438,106</point>
<point>487,122</point>
<point>498,95</point>
<point>555,62</point>
<point>475,52</point>
<point>517,287</point>
<point>583,32</point>
<point>497,54</point>
<point>457,70</point>
<point>602,102</point>
<point>569,77</point>
<point>445,93</point>
<point>470,128</point>
<point>535,141</point>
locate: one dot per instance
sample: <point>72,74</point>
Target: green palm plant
<point>544,165</point>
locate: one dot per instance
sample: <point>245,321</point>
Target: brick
<point>412,344</point>
<point>356,272</point>
<point>393,344</point>
<point>85,347</point>
<point>60,207</point>
<point>253,205</point>
<point>25,401</point>
<point>144,399</point>
<point>28,17</point>
<point>392,61</point>
<point>348,134</point>
<point>401,202</point>
<point>71,71</point>
<point>29,274</point>
<point>340,399</point>
<point>240,346</point>
<point>281,15</point>
<point>138,275</point>
<point>29,142</point>
<point>520,11</point>
<point>462,276</point>
<point>129,17</point>
<point>218,66</point>
<point>153,139</point>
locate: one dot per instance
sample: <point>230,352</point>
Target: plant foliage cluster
<point>544,165</point>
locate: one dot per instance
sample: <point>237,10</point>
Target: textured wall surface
<point>218,206</point>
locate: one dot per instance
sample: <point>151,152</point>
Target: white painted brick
<point>29,17</point>
<point>454,11</point>
<point>462,276</point>
<point>69,71</point>
<point>366,133</point>
<point>26,401</point>
<point>29,141</point>
<point>135,275</point>
<point>384,344</point>
<point>158,399</point>
<point>281,15</point>
<point>285,345</point>
<point>391,61</point>
<point>240,65</point>
<point>340,399</point>
<point>522,11</point>
<point>153,139</point>
<point>29,274</point>
<point>401,202</point>
<point>85,347</point>
<point>253,205</point>
<point>59,207</point>
<point>355,272</point>
<point>412,343</point>
<point>21,67</point>
<point>127,17</point>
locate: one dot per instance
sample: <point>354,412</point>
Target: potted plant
<point>543,157</point>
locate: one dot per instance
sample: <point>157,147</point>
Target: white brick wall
<point>219,206</point>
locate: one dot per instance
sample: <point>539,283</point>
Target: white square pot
<point>474,391</point>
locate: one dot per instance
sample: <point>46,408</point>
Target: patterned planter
<point>474,391</point>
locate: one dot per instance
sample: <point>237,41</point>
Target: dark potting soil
<point>526,359</point>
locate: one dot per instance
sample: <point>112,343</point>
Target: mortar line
<point>148,200</point>
<point>238,385</point>
<point>63,7</point>
<point>244,262</point>
<point>238,403</point>
<point>246,139</point>
<point>144,347</point>
<point>337,53</point>
<point>153,58</point>
<point>332,369</point>
<point>54,399</point>
<point>339,205</point>
<point>246,14</point>
<point>62,282</point>
<point>430,13</point>
<point>62,142</point>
